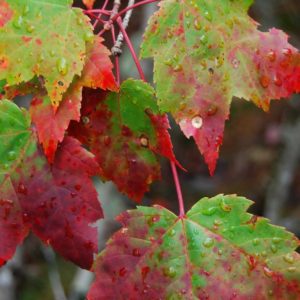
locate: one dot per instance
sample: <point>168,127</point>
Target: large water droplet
<point>88,37</point>
<point>197,122</point>
<point>62,66</point>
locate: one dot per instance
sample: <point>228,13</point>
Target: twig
<point>54,276</point>
<point>116,49</point>
<point>142,75</point>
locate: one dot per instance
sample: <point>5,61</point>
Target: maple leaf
<point>209,52</point>
<point>126,132</point>
<point>89,3</point>
<point>218,251</point>
<point>51,125</point>
<point>43,38</point>
<point>97,72</point>
<point>57,203</point>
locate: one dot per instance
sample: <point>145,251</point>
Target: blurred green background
<point>259,159</point>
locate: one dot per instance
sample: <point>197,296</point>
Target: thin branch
<point>116,49</point>
<point>115,17</point>
<point>142,75</point>
<point>117,64</point>
<point>131,49</point>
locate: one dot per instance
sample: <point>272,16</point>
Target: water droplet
<point>271,55</point>
<point>212,110</point>
<point>209,211</point>
<point>18,22</point>
<point>52,53</point>
<point>136,252</point>
<point>208,16</point>
<point>208,242</point>
<point>236,63</point>
<point>11,155</point>
<point>276,240</point>
<point>168,62</point>
<point>255,242</point>
<point>22,189</point>
<point>197,122</point>
<point>224,206</point>
<point>170,272</point>
<point>30,28</point>
<point>122,272</point>
<point>277,80</point>
<point>144,141</point>
<point>203,39</point>
<point>172,232</point>
<point>292,269</point>
<point>268,272</point>
<point>178,68</point>
<point>287,52</point>
<point>197,24</point>
<point>264,81</point>
<point>274,248</point>
<point>79,21</point>
<point>85,120</point>
<point>41,57</point>
<point>62,66</point>
<point>88,37</point>
<point>289,258</point>
<point>25,10</point>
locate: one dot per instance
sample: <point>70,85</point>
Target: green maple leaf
<point>218,251</point>
<point>206,53</point>
<point>43,38</point>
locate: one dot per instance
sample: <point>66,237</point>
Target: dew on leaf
<point>225,207</point>
<point>208,242</point>
<point>209,211</point>
<point>18,22</point>
<point>287,52</point>
<point>22,189</point>
<point>264,81</point>
<point>208,16</point>
<point>197,122</point>
<point>144,141</point>
<point>197,24</point>
<point>236,63</point>
<point>292,269</point>
<point>271,55</point>
<point>276,240</point>
<point>11,155</point>
<point>255,242</point>
<point>170,272</point>
<point>268,272</point>
<point>289,258</point>
<point>274,248</point>
<point>277,80</point>
<point>203,39</point>
<point>30,28</point>
<point>25,10</point>
<point>62,66</point>
<point>172,232</point>
<point>85,120</point>
<point>136,252</point>
<point>88,37</point>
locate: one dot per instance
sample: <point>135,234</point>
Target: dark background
<point>259,159</point>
